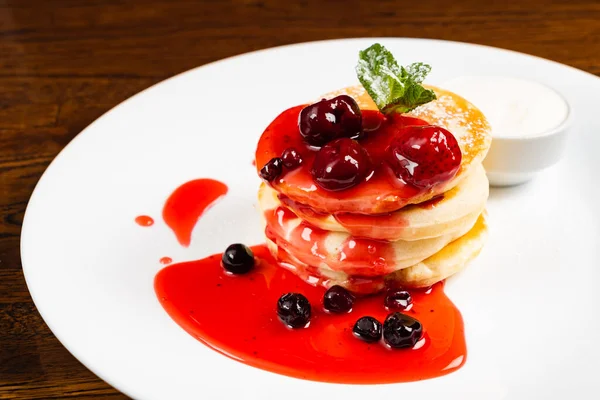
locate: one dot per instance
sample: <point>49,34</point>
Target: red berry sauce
<point>355,256</point>
<point>187,203</point>
<point>203,299</point>
<point>387,225</point>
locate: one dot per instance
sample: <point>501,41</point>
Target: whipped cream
<point>514,107</point>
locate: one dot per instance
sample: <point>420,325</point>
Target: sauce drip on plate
<point>166,260</point>
<point>144,220</point>
<point>187,204</point>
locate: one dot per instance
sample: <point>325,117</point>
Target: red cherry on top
<point>424,156</point>
<point>327,120</point>
<point>341,164</point>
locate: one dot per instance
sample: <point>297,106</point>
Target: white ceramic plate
<point>530,302</point>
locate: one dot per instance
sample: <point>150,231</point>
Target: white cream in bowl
<point>529,124</point>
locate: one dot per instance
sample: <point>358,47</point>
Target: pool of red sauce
<point>236,315</point>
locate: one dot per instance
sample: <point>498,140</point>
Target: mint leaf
<point>393,88</point>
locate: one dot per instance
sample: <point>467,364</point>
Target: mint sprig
<point>393,88</point>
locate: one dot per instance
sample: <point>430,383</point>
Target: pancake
<point>436,217</point>
<point>383,193</point>
<point>339,251</point>
<point>443,264</point>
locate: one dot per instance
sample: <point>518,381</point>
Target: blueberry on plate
<point>338,300</point>
<point>238,259</point>
<point>367,329</point>
<point>397,300</point>
<point>401,331</point>
<point>293,309</point>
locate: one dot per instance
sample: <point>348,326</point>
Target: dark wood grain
<point>65,62</point>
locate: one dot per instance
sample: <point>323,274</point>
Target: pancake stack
<point>369,239</point>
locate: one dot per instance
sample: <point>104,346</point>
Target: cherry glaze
<point>283,133</point>
<point>360,225</point>
<point>386,226</point>
<point>200,297</point>
<point>187,203</point>
<point>144,220</point>
<point>356,256</point>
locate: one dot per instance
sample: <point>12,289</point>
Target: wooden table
<point>63,63</point>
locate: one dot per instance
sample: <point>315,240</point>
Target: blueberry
<point>272,169</point>
<point>397,300</point>
<point>293,309</point>
<point>367,329</point>
<point>238,259</point>
<point>401,331</point>
<point>338,300</point>
<point>291,158</point>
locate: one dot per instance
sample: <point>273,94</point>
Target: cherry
<point>398,300</point>
<point>291,158</point>
<point>338,300</point>
<point>424,156</point>
<point>293,309</point>
<point>326,120</point>
<point>341,164</point>
<point>272,169</point>
<point>238,259</point>
<point>401,331</point>
<point>367,329</point>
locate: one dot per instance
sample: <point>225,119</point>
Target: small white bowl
<point>512,161</point>
<point>529,120</point>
